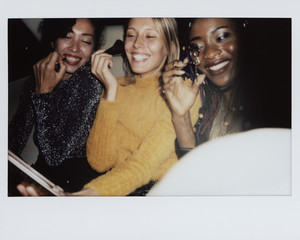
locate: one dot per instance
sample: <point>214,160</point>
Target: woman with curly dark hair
<point>60,103</point>
<point>217,91</point>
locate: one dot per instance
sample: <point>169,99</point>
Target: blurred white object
<point>257,162</point>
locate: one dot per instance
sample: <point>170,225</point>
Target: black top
<point>62,118</point>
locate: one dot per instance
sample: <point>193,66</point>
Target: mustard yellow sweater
<point>132,138</point>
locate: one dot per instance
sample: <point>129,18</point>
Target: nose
<point>211,52</point>
<point>74,47</point>
<point>138,42</point>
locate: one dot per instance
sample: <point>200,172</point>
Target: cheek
<point>128,45</point>
<point>87,51</point>
<point>231,49</point>
<point>60,45</point>
<point>156,48</point>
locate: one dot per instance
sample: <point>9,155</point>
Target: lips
<point>218,67</point>
<point>72,60</point>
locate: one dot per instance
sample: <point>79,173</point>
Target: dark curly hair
<point>53,28</point>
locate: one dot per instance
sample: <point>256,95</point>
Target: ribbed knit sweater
<point>132,138</point>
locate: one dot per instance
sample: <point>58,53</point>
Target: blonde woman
<point>132,140</point>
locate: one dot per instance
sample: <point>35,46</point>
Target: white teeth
<point>140,57</point>
<point>218,66</point>
<point>72,59</point>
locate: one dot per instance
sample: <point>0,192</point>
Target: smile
<point>140,57</point>
<point>72,59</point>
<point>218,66</point>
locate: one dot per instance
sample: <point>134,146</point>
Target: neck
<point>227,97</point>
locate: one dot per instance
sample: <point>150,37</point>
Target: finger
<point>102,64</point>
<point>46,60</point>
<point>55,56</point>
<point>35,71</point>
<point>31,191</point>
<point>62,69</point>
<point>99,51</point>
<point>21,188</point>
<point>97,54</point>
<point>97,61</point>
<point>166,76</point>
<point>180,64</point>
<point>43,63</point>
<point>186,60</point>
<point>198,81</point>
<point>172,83</point>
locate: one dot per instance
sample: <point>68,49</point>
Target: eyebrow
<point>88,34</point>
<point>148,28</point>
<point>84,34</point>
<point>219,28</point>
<point>213,31</point>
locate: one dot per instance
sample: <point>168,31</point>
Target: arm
<point>65,115</point>
<point>181,98</point>
<point>102,64</point>
<point>22,122</point>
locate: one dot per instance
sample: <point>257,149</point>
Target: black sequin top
<point>62,118</point>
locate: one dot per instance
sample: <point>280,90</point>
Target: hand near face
<point>180,96</point>
<point>101,68</point>
<point>45,75</point>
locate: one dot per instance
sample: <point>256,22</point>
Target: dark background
<point>268,56</point>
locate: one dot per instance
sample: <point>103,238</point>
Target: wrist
<point>181,119</point>
<point>111,92</point>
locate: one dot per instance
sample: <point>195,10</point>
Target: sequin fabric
<point>62,118</point>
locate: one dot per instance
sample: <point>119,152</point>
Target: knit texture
<point>132,138</point>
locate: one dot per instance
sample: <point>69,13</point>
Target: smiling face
<point>144,47</point>
<point>77,46</point>
<point>218,43</point>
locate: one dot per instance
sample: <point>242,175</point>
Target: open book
<point>19,171</point>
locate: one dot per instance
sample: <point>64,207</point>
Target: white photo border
<point>226,217</point>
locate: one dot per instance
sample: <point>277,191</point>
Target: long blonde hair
<point>167,28</point>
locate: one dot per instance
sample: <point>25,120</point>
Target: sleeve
<point>137,170</point>
<point>22,122</point>
<point>103,138</point>
<point>63,120</point>
<point>180,152</point>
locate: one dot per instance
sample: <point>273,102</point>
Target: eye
<point>223,36</point>
<point>150,36</point>
<point>88,42</point>
<point>129,35</point>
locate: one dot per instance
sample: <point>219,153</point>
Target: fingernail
<point>31,191</point>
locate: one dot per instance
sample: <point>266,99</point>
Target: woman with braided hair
<point>215,51</point>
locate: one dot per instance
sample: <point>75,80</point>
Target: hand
<point>27,189</point>
<point>101,65</point>
<point>45,75</point>
<point>180,96</point>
